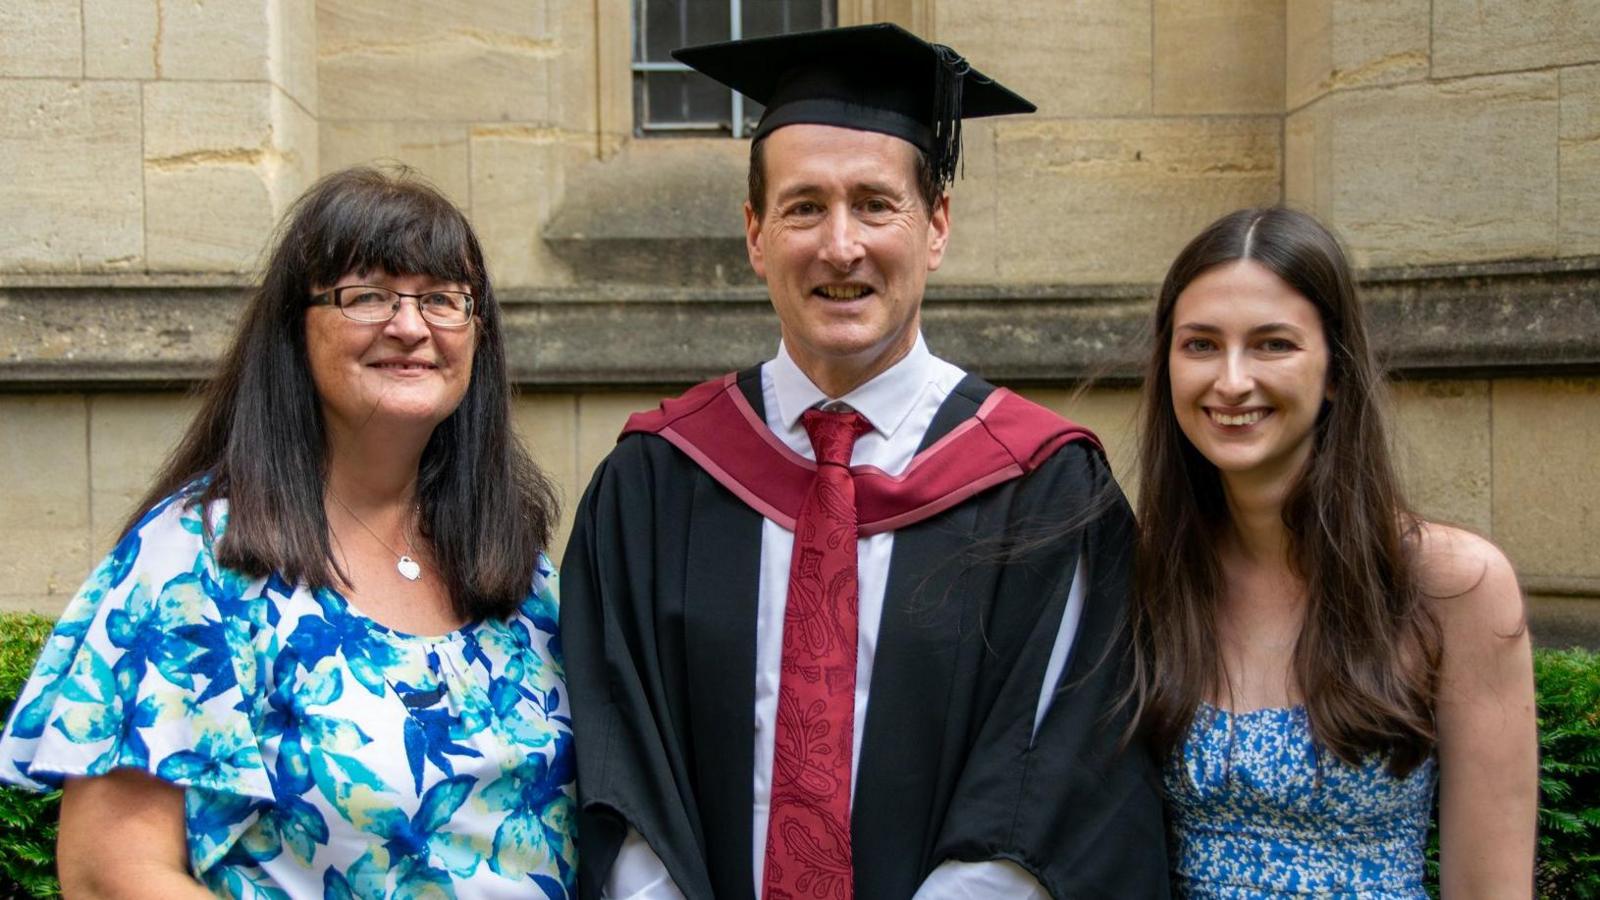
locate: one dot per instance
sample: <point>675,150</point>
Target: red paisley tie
<point>808,832</point>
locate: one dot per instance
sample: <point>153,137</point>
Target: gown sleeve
<point>1062,798</point>
<point>629,761</point>
<point>151,667</point>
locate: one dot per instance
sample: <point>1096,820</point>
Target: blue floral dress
<point>1255,809</point>
<point>322,754</point>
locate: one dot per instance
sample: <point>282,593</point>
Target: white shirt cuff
<point>954,880</point>
<point>638,874</point>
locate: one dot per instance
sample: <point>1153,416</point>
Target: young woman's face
<point>1248,365</point>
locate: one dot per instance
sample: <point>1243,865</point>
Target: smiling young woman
<point>1249,370</point>
<point>1311,656</point>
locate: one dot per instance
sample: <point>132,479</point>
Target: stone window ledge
<point>138,332</point>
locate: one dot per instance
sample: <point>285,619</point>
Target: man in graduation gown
<point>848,623</point>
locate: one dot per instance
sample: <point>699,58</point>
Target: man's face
<point>845,247</point>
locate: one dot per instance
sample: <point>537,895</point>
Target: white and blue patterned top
<point>1255,809</point>
<point>322,754</point>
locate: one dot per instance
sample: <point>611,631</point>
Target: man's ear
<point>938,231</point>
<point>752,240</point>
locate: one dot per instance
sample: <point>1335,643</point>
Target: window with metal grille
<point>671,99</point>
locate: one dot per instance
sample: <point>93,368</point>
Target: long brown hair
<point>1367,656</point>
<point>258,440</point>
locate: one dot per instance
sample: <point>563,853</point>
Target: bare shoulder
<point>1468,582</point>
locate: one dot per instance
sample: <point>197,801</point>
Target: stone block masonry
<point>75,200</point>
<point>1432,172</point>
<point>1453,144</point>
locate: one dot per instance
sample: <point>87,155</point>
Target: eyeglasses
<point>372,304</point>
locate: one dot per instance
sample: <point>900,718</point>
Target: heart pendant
<point>408,568</point>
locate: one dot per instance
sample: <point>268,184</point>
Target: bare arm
<point>1488,743</point>
<point>122,835</point>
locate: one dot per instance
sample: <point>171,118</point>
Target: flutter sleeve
<point>151,667</point>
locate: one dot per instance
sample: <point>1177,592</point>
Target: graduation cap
<point>870,77</point>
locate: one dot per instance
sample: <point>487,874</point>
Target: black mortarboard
<point>870,77</point>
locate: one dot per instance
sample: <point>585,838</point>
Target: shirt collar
<point>885,401</point>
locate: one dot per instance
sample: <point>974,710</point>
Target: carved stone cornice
<point>1537,317</point>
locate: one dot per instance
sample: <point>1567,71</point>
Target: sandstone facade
<point>157,143</point>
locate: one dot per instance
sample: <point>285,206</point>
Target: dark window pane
<point>666,25</point>
<point>681,99</point>
<point>660,28</point>
<point>764,17</point>
<point>822,16</point>
<point>666,101</point>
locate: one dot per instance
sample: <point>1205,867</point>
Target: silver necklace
<point>408,568</point>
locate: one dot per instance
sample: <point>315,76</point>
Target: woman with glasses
<point>321,660</point>
<point>1313,658</point>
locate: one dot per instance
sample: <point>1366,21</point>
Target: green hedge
<point>27,820</point>
<point>1569,775</point>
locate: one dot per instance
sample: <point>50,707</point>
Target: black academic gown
<point>658,613</point>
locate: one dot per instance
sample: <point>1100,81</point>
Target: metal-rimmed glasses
<point>371,304</point>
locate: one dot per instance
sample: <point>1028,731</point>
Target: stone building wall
<point>1450,131</point>
<point>1447,131</point>
<point>1454,145</point>
<point>147,136</point>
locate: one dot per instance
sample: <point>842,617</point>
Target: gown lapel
<point>724,552</point>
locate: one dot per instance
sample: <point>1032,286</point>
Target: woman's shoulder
<point>541,604</point>
<point>545,577</point>
<point>145,668</point>
<point>185,512</point>
<point>1467,580</point>
<point>174,536</point>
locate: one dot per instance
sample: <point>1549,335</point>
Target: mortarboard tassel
<point>948,77</point>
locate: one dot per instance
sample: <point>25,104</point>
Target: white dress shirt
<point>900,404</point>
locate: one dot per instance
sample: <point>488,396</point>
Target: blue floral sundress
<point>1255,809</point>
<point>322,754</point>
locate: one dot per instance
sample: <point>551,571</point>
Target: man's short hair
<point>928,184</point>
